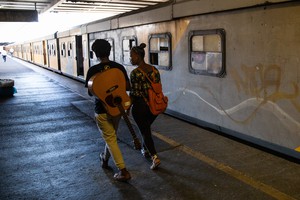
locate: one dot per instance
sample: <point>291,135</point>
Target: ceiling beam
<point>52,5</point>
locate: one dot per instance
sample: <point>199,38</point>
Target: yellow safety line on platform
<point>297,149</point>
<point>227,169</point>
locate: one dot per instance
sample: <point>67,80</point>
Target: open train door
<point>79,55</point>
<point>45,54</point>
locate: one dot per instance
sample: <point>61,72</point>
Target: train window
<point>207,52</point>
<point>48,49</point>
<point>69,49</point>
<point>53,49</point>
<point>160,52</point>
<point>63,49</point>
<point>38,49</point>
<point>127,44</point>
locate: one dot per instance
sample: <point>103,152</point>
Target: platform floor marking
<point>227,169</point>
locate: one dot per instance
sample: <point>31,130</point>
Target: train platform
<point>50,145</point>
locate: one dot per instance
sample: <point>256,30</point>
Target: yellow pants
<point>108,126</point>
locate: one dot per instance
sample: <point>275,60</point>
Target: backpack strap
<point>151,82</point>
<point>145,74</point>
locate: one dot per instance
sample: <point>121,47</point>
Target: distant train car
<point>73,57</point>
<point>16,50</point>
<point>53,53</point>
<point>230,66</point>
<point>27,52</point>
<point>39,52</point>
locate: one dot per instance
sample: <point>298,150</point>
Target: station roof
<point>78,6</point>
<point>29,10</point>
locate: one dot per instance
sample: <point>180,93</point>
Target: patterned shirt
<point>140,84</point>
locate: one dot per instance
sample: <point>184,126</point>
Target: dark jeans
<point>144,118</point>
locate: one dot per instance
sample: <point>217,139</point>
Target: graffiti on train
<point>264,84</point>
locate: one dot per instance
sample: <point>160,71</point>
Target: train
<point>230,66</point>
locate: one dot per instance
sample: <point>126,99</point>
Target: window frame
<point>130,38</point>
<point>63,49</point>
<point>167,35</point>
<point>221,33</point>
<point>70,49</point>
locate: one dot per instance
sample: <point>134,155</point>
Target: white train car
<point>73,57</point>
<point>228,65</point>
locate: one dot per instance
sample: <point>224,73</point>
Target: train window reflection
<point>160,53</point>
<point>207,52</point>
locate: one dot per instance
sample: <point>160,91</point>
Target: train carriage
<point>71,52</point>
<point>230,68</point>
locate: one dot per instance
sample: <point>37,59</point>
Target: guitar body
<point>110,87</point>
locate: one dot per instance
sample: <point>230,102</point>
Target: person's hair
<point>101,48</point>
<point>139,49</point>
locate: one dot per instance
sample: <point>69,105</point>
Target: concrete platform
<point>49,148</point>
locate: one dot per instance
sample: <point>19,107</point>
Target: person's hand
<point>128,110</point>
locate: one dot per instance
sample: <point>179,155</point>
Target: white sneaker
<point>145,153</point>
<point>155,162</point>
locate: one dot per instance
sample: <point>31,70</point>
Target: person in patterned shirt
<point>139,94</point>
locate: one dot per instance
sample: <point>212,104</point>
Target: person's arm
<point>88,76</point>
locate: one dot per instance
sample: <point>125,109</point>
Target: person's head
<point>137,53</point>
<point>101,48</point>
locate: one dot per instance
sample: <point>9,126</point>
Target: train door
<point>31,57</point>
<point>57,53</point>
<point>44,52</point>
<point>79,55</point>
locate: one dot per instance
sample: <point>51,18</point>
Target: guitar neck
<point>126,119</point>
<point>136,141</point>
